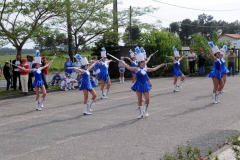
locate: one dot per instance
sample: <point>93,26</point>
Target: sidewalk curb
<point>220,151</point>
<point>48,91</point>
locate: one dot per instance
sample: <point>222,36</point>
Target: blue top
<point>96,66</point>
<point>141,84</point>
<point>134,64</point>
<point>215,72</point>
<point>176,70</point>
<point>103,72</point>
<point>224,69</point>
<point>68,64</point>
<point>58,77</point>
<point>86,83</point>
<point>38,82</point>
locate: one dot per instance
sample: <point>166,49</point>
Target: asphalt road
<point>113,132</point>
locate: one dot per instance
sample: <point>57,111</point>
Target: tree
<point>136,32</point>
<point>174,27</point>
<point>21,20</point>
<point>186,32</point>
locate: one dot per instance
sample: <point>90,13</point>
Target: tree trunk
<point>19,51</point>
<point>69,28</point>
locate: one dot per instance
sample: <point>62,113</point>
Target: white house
<point>233,38</point>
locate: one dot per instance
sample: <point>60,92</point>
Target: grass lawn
<point>11,92</point>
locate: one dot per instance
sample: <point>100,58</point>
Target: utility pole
<point>130,27</point>
<point>115,20</point>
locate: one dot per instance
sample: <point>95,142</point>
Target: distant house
<point>233,38</point>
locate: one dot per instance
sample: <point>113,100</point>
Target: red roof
<point>235,36</point>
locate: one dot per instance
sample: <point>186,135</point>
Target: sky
<point>168,14</point>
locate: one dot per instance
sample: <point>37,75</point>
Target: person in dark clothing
<point>7,75</point>
<point>201,62</point>
<point>16,73</point>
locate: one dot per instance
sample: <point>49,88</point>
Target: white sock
<point>90,102</point>
<point>102,93</point>
<point>106,92</point>
<point>42,100</point>
<point>180,84</point>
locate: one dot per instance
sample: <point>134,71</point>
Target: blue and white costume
<point>38,82</point>
<point>86,82</point>
<point>224,69</point>
<point>103,72</point>
<point>141,84</point>
<point>216,71</point>
<point>96,69</point>
<point>176,69</point>
<point>134,64</point>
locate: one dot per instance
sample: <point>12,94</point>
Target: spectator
<point>7,75</point>
<point>75,73</point>
<point>56,79</point>
<point>121,70</point>
<point>24,76</point>
<point>70,82</point>
<point>30,75</point>
<point>64,85</point>
<point>201,62</point>
<point>96,70</point>
<point>191,60</point>
<point>1,70</point>
<point>16,73</point>
<point>67,64</point>
<point>45,71</point>
<point>231,63</point>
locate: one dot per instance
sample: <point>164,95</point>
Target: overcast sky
<point>173,14</point>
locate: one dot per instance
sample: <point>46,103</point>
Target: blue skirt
<point>93,83</point>
<point>141,87</point>
<point>103,76</point>
<point>215,74</point>
<point>133,72</point>
<point>225,70</point>
<point>177,72</point>
<point>38,83</point>
<point>86,86</point>
<point>121,70</point>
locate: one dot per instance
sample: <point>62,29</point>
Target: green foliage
<point>163,41</point>
<point>235,146</point>
<point>187,153</point>
<point>199,41</point>
<point>215,37</point>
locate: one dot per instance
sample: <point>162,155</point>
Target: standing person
<point>201,62</point>
<point>103,76</point>
<point>191,61</point>
<point>16,73</point>
<point>215,74</point>
<point>7,75</point>
<point>141,86</point>
<point>67,66</point>
<point>176,70</point>
<point>86,85</point>
<point>231,63</point>
<point>24,76</point>
<point>76,64</point>
<point>133,62</point>
<point>121,70</point>
<point>224,69</point>
<point>30,75</point>
<point>96,70</point>
<point>38,82</point>
<point>45,72</point>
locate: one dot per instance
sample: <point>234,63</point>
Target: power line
<point>190,24</point>
<point>197,8</point>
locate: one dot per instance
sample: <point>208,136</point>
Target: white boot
<point>85,111</point>
<point>175,88</point>
<point>145,110</point>
<point>38,108</point>
<point>41,103</point>
<point>122,79</point>
<point>90,105</point>
<point>215,98</point>
<point>180,84</point>
<point>106,93</point>
<point>102,95</point>
<point>73,86</point>
<point>140,115</point>
<point>218,92</point>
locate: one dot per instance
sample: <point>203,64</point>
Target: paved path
<point>60,131</point>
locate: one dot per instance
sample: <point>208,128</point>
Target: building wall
<point>226,38</point>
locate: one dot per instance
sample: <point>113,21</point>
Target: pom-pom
<point>225,48</point>
<point>211,45</point>
<point>103,49</point>
<point>78,57</point>
<point>174,49</point>
<point>131,51</point>
<point>137,50</point>
<point>37,53</point>
<point>142,50</point>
